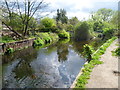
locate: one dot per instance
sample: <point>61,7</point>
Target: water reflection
<point>21,68</point>
<point>62,52</point>
<point>27,55</point>
<point>53,66</point>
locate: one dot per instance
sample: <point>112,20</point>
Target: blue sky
<point>81,8</point>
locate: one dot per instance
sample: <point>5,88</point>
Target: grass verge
<point>83,78</point>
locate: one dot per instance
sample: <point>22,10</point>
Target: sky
<point>81,8</point>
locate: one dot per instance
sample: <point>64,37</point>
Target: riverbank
<point>103,75</point>
<point>40,39</point>
<point>82,78</point>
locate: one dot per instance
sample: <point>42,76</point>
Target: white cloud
<point>79,8</point>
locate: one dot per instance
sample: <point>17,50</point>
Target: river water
<point>54,66</point>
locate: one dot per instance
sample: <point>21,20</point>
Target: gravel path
<point>102,75</point>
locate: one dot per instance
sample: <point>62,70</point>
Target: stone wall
<point>16,45</point>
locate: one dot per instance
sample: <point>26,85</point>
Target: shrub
<point>63,34</point>
<point>48,24</point>
<point>45,37</point>
<point>88,51</point>
<point>54,37</point>
<point>38,42</point>
<point>116,52</point>
<point>82,31</point>
<point>9,50</point>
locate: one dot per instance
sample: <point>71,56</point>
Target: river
<point>54,66</point>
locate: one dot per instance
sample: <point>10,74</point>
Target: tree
<point>73,20</point>
<point>98,26</point>
<point>115,19</point>
<point>61,16</point>
<point>48,24</point>
<point>103,14</point>
<point>25,10</point>
<point>82,31</point>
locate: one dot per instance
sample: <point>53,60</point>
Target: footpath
<point>105,75</point>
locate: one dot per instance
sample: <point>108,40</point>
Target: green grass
<point>6,39</point>
<point>83,78</point>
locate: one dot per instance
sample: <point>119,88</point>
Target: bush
<point>38,42</point>
<point>82,31</point>
<point>116,52</point>
<point>108,32</point>
<point>48,25</point>
<point>54,37</point>
<point>63,34</point>
<point>45,37</point>
<point>9,50</point>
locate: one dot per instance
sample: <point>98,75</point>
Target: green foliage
<point>108,32</point>
<point>116,52</point>
<point>98,26</point>
<point>69,27</point>
<point>103,14</point>
<point>114,20</point>
<point>45,37</point>
<point>63,34</point>
<point>48,24</point>
<point>6,39</point>
<point>73,20</point>
<point>54,37</point>
<point>82,80</point>
<point>38,42</point>
<point>87,51</point>
<point>61,16</point>
<point>16,23</point>
<point>9,50</point>
<point>61,41</point>
<point>82,31</point>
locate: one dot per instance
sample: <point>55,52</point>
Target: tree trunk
<point>17,34</point>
